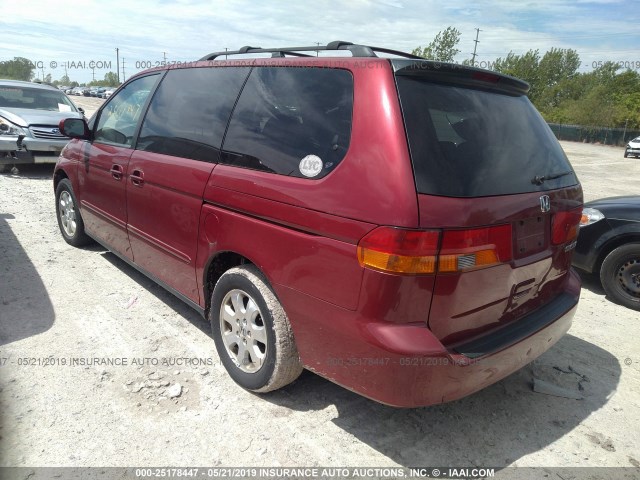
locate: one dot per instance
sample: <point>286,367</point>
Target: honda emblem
<point>545,203</point>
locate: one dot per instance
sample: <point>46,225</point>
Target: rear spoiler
<point>456,74</point>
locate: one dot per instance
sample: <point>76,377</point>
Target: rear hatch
<point>492,178</point>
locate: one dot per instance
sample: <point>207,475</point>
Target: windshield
<point>35,98</point>
<point>466,142</point>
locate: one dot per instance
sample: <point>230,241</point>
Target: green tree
<point>442,48</point>
<point>524,67</point>
<point>17,69</point>
<point>111,79</point>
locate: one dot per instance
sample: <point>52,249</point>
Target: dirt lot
<point>65,303</point>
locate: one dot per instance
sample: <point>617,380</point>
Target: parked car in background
<point>29,118</point>
<point>108,92</point>
<point>404,229</point>
<point>633,148</point>
<point>609,245</point>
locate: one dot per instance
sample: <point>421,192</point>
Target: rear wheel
<point>620,275</point>
<point>69,219</point>
<point>252,332</point>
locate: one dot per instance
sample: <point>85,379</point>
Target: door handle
<point>116,171</point>
<point>137,178</point>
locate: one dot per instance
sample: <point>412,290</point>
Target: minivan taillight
<point>565,226</point>
<point>396,250</point>
<point>476,248</point>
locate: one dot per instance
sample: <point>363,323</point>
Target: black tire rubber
<point>79,238</point>
<point>626,154</point>
<point>610,272</point>
<point>282,362</point>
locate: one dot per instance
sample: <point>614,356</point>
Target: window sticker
<point>311,166</point>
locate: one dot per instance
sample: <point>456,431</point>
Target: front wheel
<point>620,275</point>
<point>252,332</point>
<point>69,219</point>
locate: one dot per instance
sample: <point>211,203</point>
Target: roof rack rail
<point>356,51</point>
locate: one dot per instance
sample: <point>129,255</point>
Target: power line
<point>600,35</point>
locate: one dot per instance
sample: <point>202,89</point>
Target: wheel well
<point>217,266</point>
<point>612,245</point>
<point>57,176</point>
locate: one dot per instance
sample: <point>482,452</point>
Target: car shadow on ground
<point>493,427</point>
<point>591,282</point>
<point>25,307</point>
<point>177,305</point>
<point>41,171</point>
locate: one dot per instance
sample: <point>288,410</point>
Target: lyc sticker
<point>311,166</point>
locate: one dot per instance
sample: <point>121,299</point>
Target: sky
<point>84,34</point>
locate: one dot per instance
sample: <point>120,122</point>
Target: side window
<point>119,118</point>
<point>291,121</point>
<point>190,111</point>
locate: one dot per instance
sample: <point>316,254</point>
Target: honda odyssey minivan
<point>401,227</point>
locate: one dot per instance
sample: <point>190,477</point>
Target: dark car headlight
<point>590,216</point>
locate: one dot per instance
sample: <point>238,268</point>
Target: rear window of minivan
<point>468,142</point>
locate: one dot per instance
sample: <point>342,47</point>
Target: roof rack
<point>356,51</point>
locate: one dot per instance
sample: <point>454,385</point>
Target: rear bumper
<point>405,365</point>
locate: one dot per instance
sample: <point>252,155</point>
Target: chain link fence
<point>605,136</point>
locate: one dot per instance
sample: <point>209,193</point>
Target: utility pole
<point>65,70</point>
<point>225,52</point>
<point>118,63</point>
<point>124,77</point>
<point>164,54</point>
<point>93,72</point>
<point>318,44</point>
<point>473,59</point>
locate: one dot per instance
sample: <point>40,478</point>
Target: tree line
<point>607,96</point>
<point>21,68</point>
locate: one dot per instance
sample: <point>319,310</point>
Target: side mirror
<point>75,128</point>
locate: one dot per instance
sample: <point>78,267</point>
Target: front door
<point>103,175</point>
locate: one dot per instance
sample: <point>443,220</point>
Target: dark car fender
<point>596,241</point>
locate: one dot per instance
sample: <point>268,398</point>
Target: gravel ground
<point>63,303</point>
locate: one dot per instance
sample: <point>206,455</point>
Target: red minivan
<point>401,227</point>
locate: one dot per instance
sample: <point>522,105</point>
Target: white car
<point>633,148</point>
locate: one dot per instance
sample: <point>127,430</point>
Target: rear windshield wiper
<point>540,179</point>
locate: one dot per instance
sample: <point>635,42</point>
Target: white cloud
<point>65,31</point>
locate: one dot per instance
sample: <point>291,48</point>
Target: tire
<point>252,332</point>
<point>626,154</point>
<point>620,275</point>
<point>68,214</point>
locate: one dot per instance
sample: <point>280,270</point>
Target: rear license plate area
<point>531,235</point>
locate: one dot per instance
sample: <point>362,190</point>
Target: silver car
<point>633,148</point>
<point>29,117</point>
